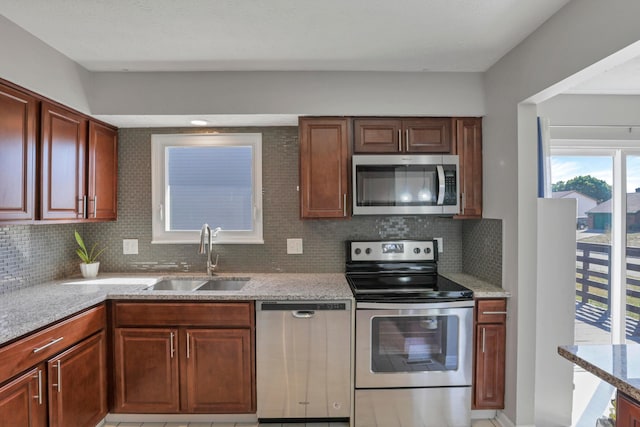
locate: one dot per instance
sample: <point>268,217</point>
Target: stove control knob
<point>427,250</point>
<point>358,251</point>
<point>416,250</point>
<point>367,251</point>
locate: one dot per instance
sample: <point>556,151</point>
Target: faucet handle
<point>215,264</point>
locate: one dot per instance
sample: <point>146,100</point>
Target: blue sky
<point>563,168</point>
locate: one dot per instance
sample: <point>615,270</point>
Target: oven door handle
<point>303,314</point>
<point>413,306</point>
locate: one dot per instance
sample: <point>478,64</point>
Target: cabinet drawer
<point>33,349</point>
<point>491,311</point>
<point>218,314</point>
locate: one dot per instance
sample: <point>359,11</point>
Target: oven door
<point>414,345</point>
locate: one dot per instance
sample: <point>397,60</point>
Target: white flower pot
<point>89,270</point>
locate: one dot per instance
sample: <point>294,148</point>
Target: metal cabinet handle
<point>95,206</point>
<point>38,396</point>
<point>406,139</point>
<point>399,140</point>
<point>49,344</point>
<point>483,338</point>
<point>188,345</point>
<point>59,385</point>
<point>494,312</point>
<point>171,346</point>
<point>303,314</point>
<point>344,204</point>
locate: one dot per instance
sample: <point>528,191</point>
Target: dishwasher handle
<point>303,306</point>
<point>303,314</point>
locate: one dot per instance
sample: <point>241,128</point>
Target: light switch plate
<point>294,246</point>
<point>130,246</point>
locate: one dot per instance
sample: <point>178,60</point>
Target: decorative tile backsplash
<point>36,253</point>
<point>32,254</point>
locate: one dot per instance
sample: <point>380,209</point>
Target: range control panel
<point>394,250</point>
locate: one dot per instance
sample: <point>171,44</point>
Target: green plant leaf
<point>86,256</point>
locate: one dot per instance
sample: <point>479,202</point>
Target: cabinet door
<point>469,149</point>
<point>219,371</point>
<point>627,411</point>
<point>489,366</point>
<point>427,135</point>
<point>23,401</point>
<point>102,172</point>
<point>377,136</point>
<point>146,370</point>
<point>17,154</point>
<point>324,167</point>
<point>64,136</point>
<point>78,384</point>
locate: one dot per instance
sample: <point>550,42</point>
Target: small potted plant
<point>89,266</point>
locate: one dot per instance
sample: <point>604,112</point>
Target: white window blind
<point>214,179</point>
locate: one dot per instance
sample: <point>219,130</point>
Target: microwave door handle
<point>441,187</point>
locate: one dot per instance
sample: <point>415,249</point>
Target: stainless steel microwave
<point>405,184</point>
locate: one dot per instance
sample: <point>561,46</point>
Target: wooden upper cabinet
<point>18,114</point>
<point>102,172</point>
<point>468,146</point>
<point>324,167</point>
<point>63,145</point>
<point>415,135</point>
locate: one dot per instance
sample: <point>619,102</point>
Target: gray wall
<point>32,254</point>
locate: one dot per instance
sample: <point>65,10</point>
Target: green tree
<point>587,185</point>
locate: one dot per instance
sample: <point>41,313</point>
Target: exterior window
<point>214,179</point>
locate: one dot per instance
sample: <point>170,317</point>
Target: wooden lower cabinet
<point>223,356</point>
<point>489,354</point>
<point>23,400</point>
<point>184,366</point>
<point>146,370</point>
<point>627,411</point>
<point>78,384</point>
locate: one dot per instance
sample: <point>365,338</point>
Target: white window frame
<point>612,142</point>
<point>159,145</point>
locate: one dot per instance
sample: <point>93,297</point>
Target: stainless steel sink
<point>188,285</point>
<point>177,285</point>
<point>223,284</point>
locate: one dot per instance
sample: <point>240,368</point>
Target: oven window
<point>414,344</point>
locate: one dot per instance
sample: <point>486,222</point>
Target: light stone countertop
<point>619,365</point>
<point>26,310</point>
<point>480,288</point>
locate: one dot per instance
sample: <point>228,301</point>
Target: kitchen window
<point>207,178</point>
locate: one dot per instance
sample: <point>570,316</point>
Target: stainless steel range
<point>414,330</point>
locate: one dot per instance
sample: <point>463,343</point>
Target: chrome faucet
<point>210,235</point>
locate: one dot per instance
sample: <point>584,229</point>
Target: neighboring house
<point>600,216</point>
<point>584,204</point>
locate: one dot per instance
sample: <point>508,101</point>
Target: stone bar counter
<point>619,365</point>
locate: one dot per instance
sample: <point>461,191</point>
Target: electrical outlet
<point>294,246</point>
<point>440,244</point>
<point>130,246</point>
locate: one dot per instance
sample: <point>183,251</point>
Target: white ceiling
<point>353,35</point>
<point>322,35</point>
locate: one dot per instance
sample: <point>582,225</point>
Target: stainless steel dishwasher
<point>303,360</point>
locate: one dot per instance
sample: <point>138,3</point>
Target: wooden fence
<point>593,275</point>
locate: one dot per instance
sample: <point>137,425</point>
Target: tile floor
<point>476,423</point>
